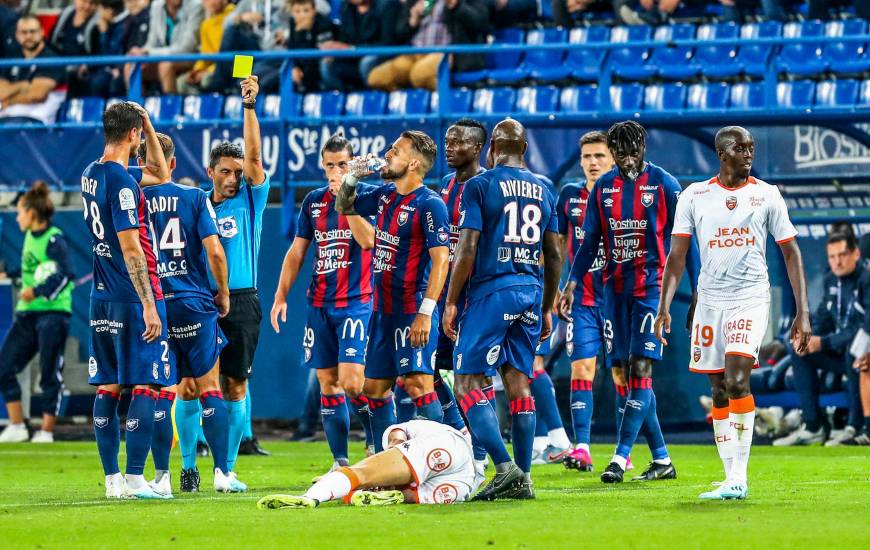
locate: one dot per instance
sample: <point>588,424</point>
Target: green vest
<point>36,267</point>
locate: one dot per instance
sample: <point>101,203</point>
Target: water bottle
<point>363,166</point>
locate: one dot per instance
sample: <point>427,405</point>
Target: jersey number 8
<point>97,227</point>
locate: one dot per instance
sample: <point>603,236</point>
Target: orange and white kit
<point>718,332</point>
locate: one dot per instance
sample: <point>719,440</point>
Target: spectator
<point>835,323</point>
<point>776,10</point>
<point>75,35</point>
<point>307,30</point>
<point>507,13</point>
<point>107,80</point>
<point>137,22</point>
<point>435,24</point>
<point>210,32</point>
<point>568,12</point>
<point>644,12</point>
<point>30,93</point>
<point>8,17</point>
<point>861,349</point>
<point>173,28</point>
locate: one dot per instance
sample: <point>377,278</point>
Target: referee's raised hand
<point>250,88</point>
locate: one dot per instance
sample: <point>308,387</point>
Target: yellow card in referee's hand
<point>243,66</point>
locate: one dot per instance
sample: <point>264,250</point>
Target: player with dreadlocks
<point>631,209</point>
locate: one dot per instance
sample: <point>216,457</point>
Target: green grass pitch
<point>52,497</point>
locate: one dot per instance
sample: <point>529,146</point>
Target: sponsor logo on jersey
<point>608,202</point>
<point>208,412</point>
<point>102,250</point>
<point>126,199</point>
<point>350,328</point>
<point>610,190</point>
<point>576,211</point>
<point>504,254</point>
<point>132,424</point>
<point>403,362</point>
<point>315,212</point>
<point>731,202</point>
<point>350,352</point>
<point>730,237</point>
<point>492,354</point>
<point>458,361</point>
<point>92,366</point>
<point>131,215</point>
<point>159,415</point>
<point>228,227</point>
<point>650,346</point>
<point>438,460</point>
<point>401,335</point>
<point>155,371</point>
<point>755,202</point>
<point>646,199</point>
<point>403,218</point>
<point>101,421</point>
<point>649,187</point>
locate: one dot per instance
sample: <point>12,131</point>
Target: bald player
<point>507,224</point>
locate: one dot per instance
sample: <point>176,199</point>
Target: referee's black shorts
<point>242,328</point>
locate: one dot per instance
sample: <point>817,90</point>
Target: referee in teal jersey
<point>239,196</point>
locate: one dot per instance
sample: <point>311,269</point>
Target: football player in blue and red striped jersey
<point>410,264</point>
<point>339,298</point>
<point>631,209</point>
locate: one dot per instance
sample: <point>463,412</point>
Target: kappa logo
<point>646,199</point>
<point>731,202</point>
<point>101,421</point>
<point>403,218</point>
<point>492,354</point>
<point>159,415</point>
<point>445,494</point>
<point>92,366</point>
<point>207,412</point>
<point>438,460</point>
<point>132,424</point>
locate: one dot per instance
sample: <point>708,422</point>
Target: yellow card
<point>243,66</point>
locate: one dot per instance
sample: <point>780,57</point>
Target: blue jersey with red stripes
<point>512,209</point>
<point>406,227</point>
<point>634,219</point>
<point>451,192</point>
<point>182,217</point>
<point>571,210</point>
<point>113,202</point>
<point>342,275</point>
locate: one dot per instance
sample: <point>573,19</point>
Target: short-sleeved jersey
<point>182,217</point>
<point>406,227</point>
<point>512,209</point>
<point>342,275</point>
<point>240,223</point>
<point>113,202</point>
<point>451,192</point>
<point>570,211</point>
<point>732,227</point>
<point>634,220</point>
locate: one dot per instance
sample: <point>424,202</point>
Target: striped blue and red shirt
<point>406,227</point>
<point>571,210</point>
<point>451,192</point>
<point>342,274</point>
<point>634,220</point>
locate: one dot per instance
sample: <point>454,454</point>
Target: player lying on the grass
<point>732,214</point>
<point>424,462</point>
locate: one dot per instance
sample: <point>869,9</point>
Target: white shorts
<point>719,332</point>
<point>443,468</point>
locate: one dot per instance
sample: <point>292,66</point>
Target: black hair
<point>225,149</point>
<point>847,237</point>
<point>335,144</point>
<point>626,136</point>
<point>480,133</point>
<point>424,146</point>
<point>117,6</point>
<point>119,119</point>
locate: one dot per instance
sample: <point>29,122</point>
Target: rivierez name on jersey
<point>521,188</point>
<point>730,237</point>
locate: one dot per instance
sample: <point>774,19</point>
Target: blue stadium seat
<point>718,61</point>
<point>753,57</point>
<point>460,101</point>
<point>864,94</point>
<point>582,63</point>
<point>540,62</point>
<point>493,100</point>
<point>747,95</point>
<point>83,109</point>
<point>165,108</point>
<point>626,98</point>
<point>233,107</point>
<point>708,97</point>
<point>272,106</point>
<point>112,100</point>
<point>802,59</point>
<point>664,97</point>
<point>495,62</point>
<point>365,103</point>
<point>836,93</point>
<point>542,99</point>
<point>203,107</point>
<point>579,99</point>
<point>847,57</point>
<point>630,62</point>
<point>323,104</point>
<point>408,102</point>
<point>795,95</point>
<point>675,63</point>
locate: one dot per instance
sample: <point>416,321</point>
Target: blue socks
<point>187,415</point>
<point>249,421</point>
<point>484,425</point>
<point>215,425</point>
<point>382,413</point>
<point>581,410</point>
<point>139,428</point>
<point>237,420</point>
<point>336,424</point>
<point>161,440</point>
<point>652,430</point>
<point>106,430</point>
<point>361,408</point>
<point>405,408</point>
<point>449,409</point>
<point>428,406</point>
<point>636,408</point>
<point>523,430</point>
<point>544,395</point>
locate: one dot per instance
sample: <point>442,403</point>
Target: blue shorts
<point>501,328</point>
<point>544,348</point>
<point>444,349</point>
<point>195,338</point>
<point>585,332</point>
<point>336,335</point>
<point>629,328</point>
<point>389,352</point>
<point>118,354</point>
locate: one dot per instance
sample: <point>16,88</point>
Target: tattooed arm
<point>137,267</point>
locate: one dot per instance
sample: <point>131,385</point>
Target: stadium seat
<point>847,57</point>
<point>83,109</point>
<point>165,108</point>
<point>493,100</point>
<point>664,97</point>
<point>460,101</point>
<point>579,99</point>
<point>323,104</point>
<point>365,103</point>
<point>538,62</point>
<point>864,95</point>
<point>836,93</point>
<point>626,98</point>
<point>203,107</point>
<point>233,107</point>
<point>675,63</point>
<point>802,59</point>
<point>747,95</point>
<point>494,61</point>
<point>408,102</point>
<point>753,57</point>
<point>582,63</point>
<point>112,100</point>
<point>718,61</point>
<point>795,95</point>
<point>708,97</point>
<point>544,99</point>
<point>630,62</point>
<point>272,106</point>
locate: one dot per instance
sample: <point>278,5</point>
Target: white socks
<point>558,438</point>
<point>540,443</point>
<point>620,461</point>
<point>742,421</point>
<point>724,437</point>
<point>136,482</point>
<point>333,485</point>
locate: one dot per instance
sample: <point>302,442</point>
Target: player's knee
<point>618,375</point>
<point>720,395</point>
<point>377,388</point>
<point>583,369</point>
<point>640,367</point>
<point>236,389</point>
<point>737,384</point>
<point>351,380</point>
<point>419,385</point>
<point>516,384</point>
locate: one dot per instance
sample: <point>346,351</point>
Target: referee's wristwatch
<point>249,104</point>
